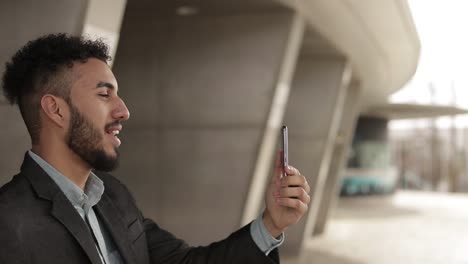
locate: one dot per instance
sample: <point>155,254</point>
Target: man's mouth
<point>113,131</point>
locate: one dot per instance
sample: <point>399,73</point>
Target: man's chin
<point>108,164</point>
<point>113,154</point>
<point>105,161</point>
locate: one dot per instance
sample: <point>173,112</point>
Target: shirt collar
<point>94,187</point>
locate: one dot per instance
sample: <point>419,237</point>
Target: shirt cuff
<point>262,237</point>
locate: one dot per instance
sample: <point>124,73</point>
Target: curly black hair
<point>40,67</point>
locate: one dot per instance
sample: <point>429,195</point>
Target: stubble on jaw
<point>86,141</point>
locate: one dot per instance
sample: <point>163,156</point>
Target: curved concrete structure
<point>378,38</point>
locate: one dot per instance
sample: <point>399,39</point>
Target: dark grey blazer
<point>39,225</point>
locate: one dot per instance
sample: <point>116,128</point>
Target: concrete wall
<point>312,115</point>
<point>199,90</point>
<point>341,150</point>
<point>21,21</point>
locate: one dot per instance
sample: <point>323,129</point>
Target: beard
<point>86,141</point>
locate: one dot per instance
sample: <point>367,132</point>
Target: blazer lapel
<point>69,217</point>
<point>116,227</point>
<point>62,209</point>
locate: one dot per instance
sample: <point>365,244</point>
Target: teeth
<point>115,132</point>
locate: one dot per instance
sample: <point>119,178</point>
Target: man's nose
<point>121,111</point>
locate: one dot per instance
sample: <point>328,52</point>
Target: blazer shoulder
<point>15,197</point>
<point>15,190</point>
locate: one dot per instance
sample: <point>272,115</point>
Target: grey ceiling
<point>206,7</point>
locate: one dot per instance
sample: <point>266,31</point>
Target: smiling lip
<point>112,132</point>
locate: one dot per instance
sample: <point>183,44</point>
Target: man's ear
<point>55,108</point>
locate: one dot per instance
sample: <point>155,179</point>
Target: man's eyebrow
<point>105,85</point>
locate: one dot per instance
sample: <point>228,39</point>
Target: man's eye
<point>104,95</point>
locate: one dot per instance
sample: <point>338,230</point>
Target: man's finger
<point>278,166</point>
<point>293,203</point>
<point>294,192</point>
<point>290,170</point>
<point>295,180</point>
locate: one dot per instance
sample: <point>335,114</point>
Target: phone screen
<point>284,150</point>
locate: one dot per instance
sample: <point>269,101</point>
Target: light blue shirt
<point>83,201</point>
<point>262,237</point>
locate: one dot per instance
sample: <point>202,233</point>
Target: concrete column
<point>199,89</point>
<point>263,167</point>
<point>103,19</point>
<point>313,116</point>
<point>23,21</point>
<point>340,156</point>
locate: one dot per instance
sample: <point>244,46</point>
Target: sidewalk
<point>407,228</point>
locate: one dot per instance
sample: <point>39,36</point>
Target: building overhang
<point>393,111</point>
<point>378,37</point>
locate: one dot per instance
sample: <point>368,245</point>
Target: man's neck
<point>66,162</point>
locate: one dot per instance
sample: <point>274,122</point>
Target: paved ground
<point>406,228</point>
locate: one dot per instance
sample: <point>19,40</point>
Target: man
<point>63,208</point>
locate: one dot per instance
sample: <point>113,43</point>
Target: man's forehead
<point>94,73</point>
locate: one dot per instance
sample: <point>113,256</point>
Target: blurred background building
<point>209,83</point>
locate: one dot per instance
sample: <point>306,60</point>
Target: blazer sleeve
<point>163,247</point>
<point>239,247</point>
<point>11,246</point>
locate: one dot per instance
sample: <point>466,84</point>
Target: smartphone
<point>284,148</point>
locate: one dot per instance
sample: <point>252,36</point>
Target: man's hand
<point>287,199</point>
